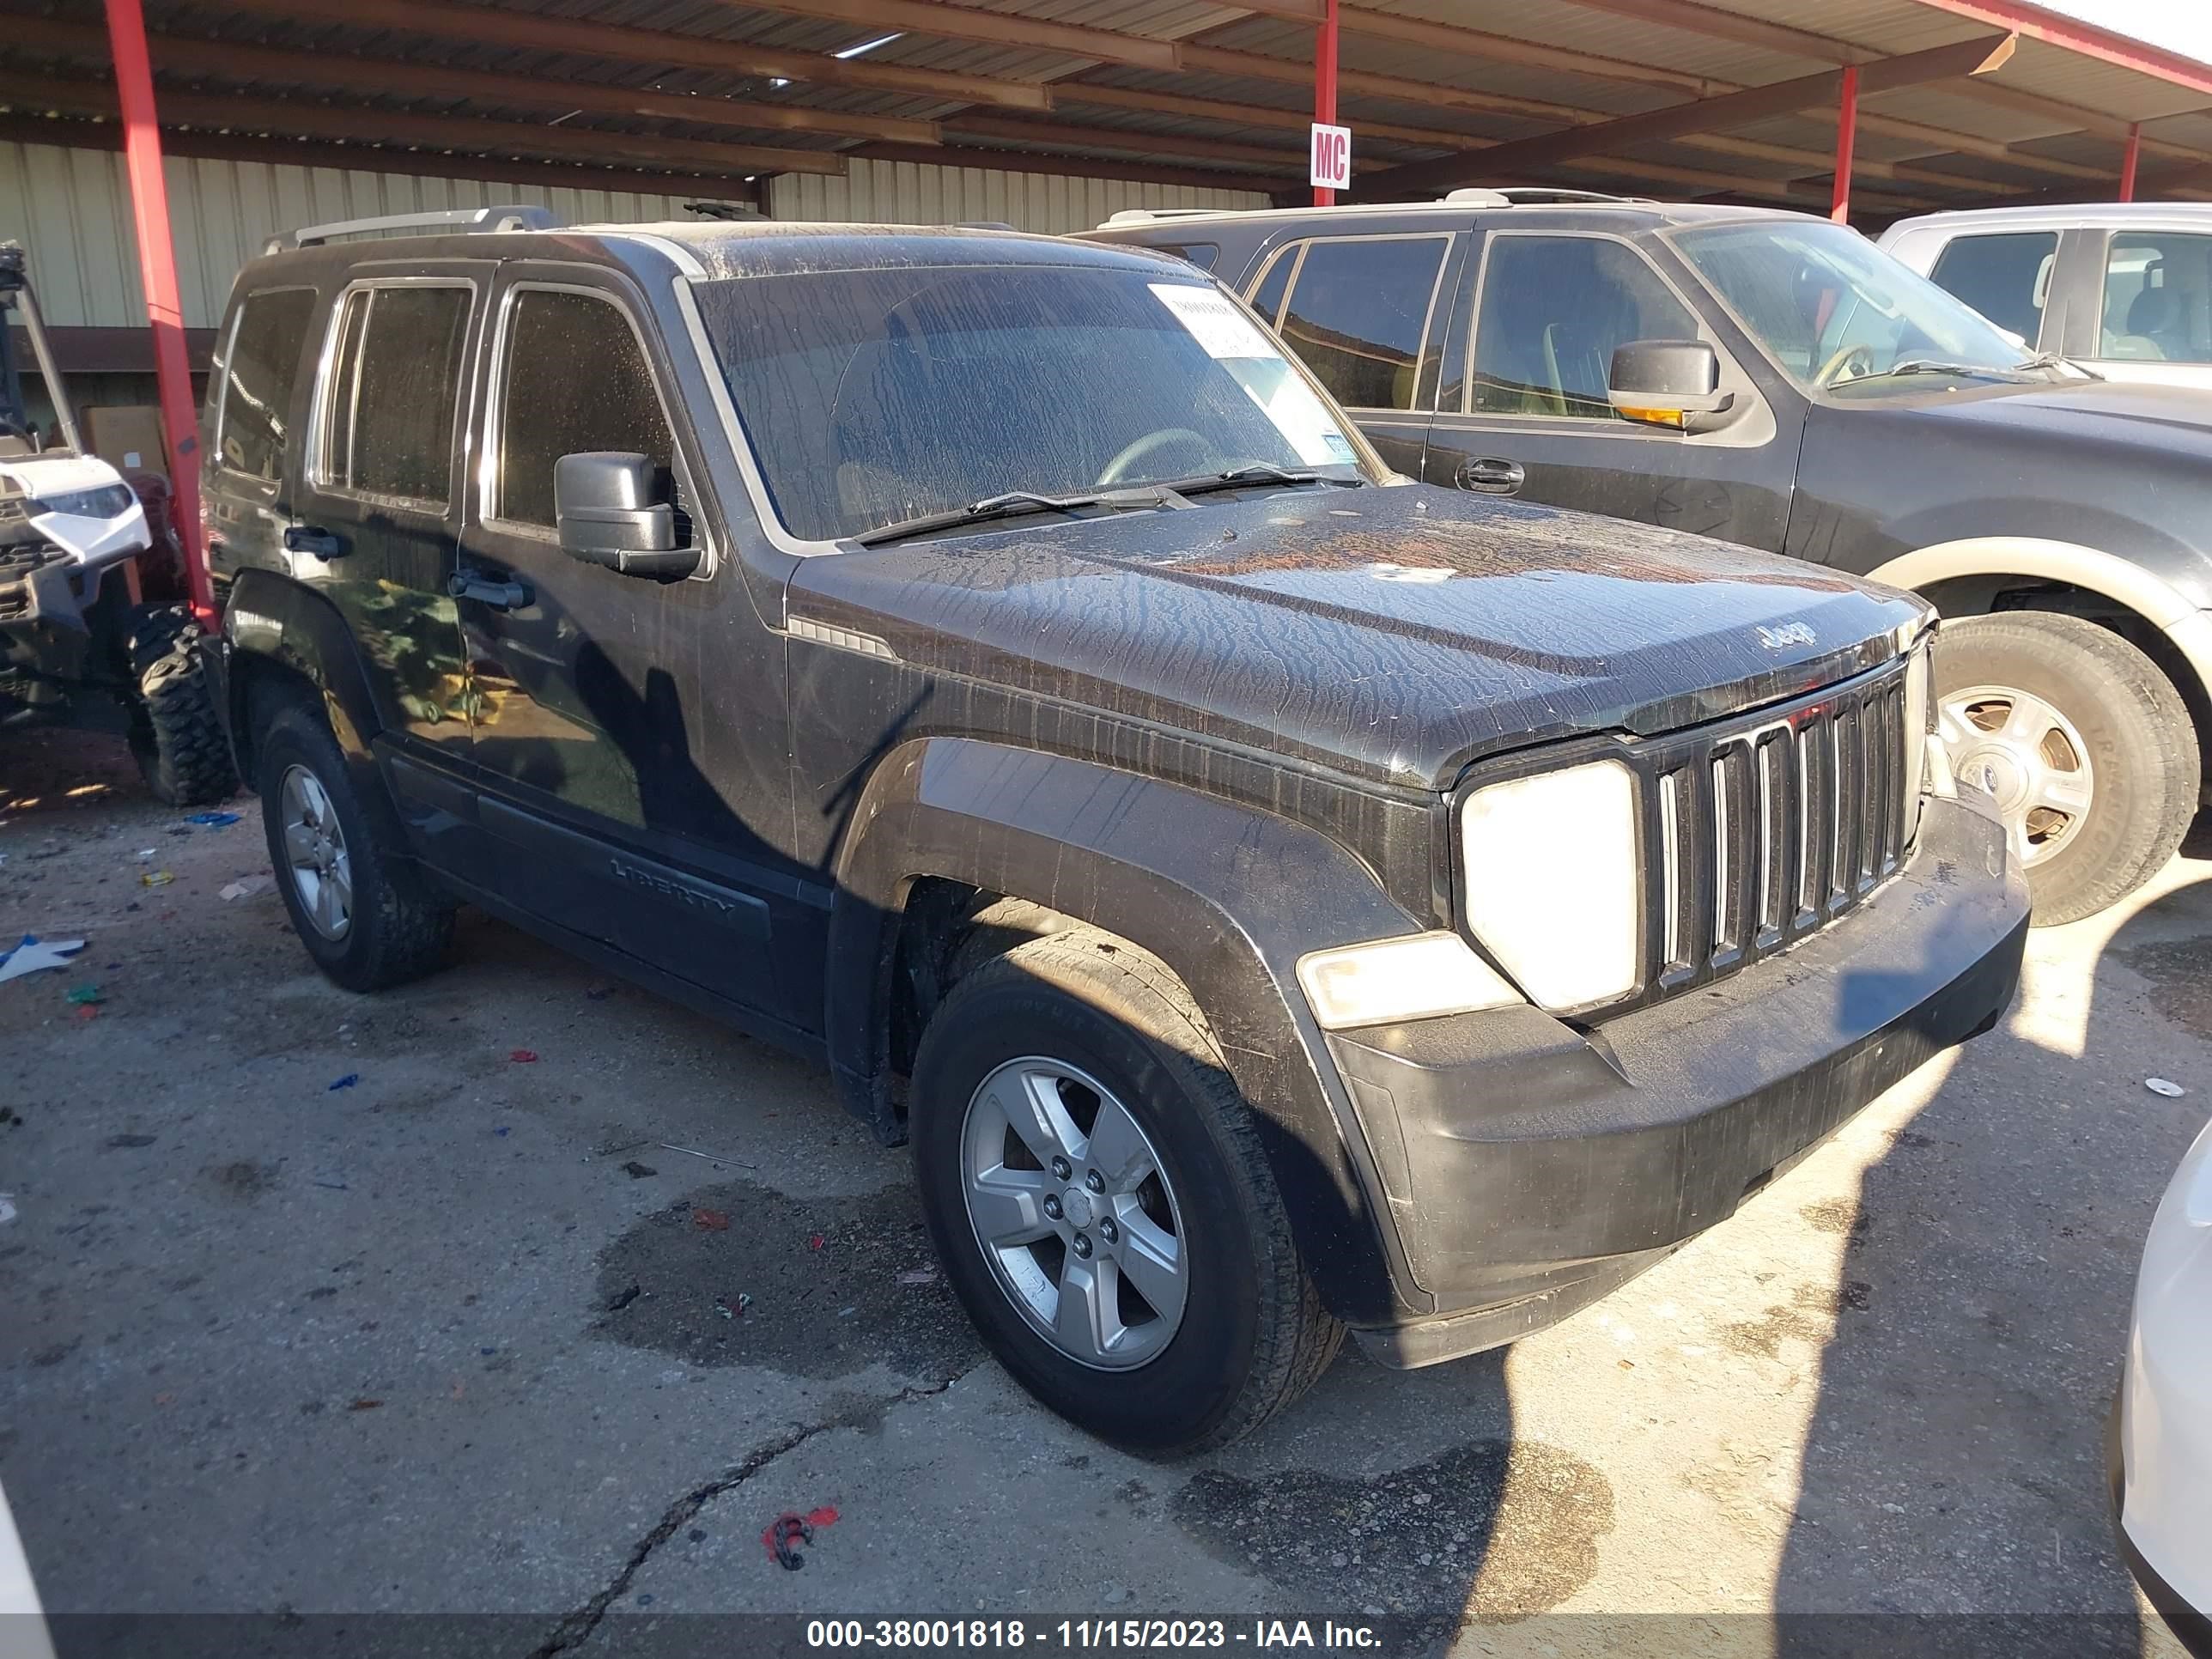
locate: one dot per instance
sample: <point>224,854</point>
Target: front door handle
<point>313,539</point>
<point>502,594</point>
<point>1491,476</point>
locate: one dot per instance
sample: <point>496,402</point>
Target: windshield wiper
<point>1015,504</point>
<point>1936,366</point>
<point>2060,366</point>
<point>1251,473</point>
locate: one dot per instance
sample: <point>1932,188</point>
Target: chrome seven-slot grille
<point>1766,831</point>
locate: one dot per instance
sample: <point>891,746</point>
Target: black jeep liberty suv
<point>1271,896</point>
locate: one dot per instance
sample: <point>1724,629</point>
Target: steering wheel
<point>15,426</point>
<point>1846,357</point>
<point>1118,468</point>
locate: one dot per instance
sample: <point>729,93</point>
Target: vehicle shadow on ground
<point>48,771</point>
<point>1963,1511</point>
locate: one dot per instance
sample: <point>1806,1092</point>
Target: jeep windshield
<point>927,401</point>
<point>1838,315</point>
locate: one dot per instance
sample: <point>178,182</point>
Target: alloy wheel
<point>1074,1213</point>
<point>322,874</point>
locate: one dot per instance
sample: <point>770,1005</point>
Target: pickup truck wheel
<point>176,736</point>
<point>368,918</point>
<point>1096,1191</point>
<point>2085,744</point>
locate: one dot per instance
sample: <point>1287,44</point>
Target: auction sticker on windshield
<point>1213,322</point>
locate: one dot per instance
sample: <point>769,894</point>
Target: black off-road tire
<point>175,732</point>
<point>400,926</point>
<point>1254,1335</point>
<point>2142,746</point>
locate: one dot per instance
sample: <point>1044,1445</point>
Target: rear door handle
<point>313,539</point>
<point>499,593</point>
<point>1491,476</point>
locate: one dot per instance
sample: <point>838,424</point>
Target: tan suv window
<point>2158,298</point>
<point>2006,277</point>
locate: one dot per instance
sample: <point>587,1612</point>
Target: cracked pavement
<point>475,1333</point>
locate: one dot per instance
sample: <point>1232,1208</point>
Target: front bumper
<point>1530,1167</point>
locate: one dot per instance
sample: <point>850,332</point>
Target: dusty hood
<point>1395,633</point>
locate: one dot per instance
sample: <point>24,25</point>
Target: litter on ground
<point>2159,1085</point>
<point>213,820</point>
<point>34,954</point>
<point>245,889</point>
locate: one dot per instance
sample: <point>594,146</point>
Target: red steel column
<point>157,267</point>
<point>2129,157</point>
<point>1847,132</point>
<point>1325,88</point>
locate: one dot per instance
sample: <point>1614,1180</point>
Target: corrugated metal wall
<point>905,193</point>
<point>71,208</point>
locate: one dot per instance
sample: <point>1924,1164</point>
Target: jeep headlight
<point>1551,885</point>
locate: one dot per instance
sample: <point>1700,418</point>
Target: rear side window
<point>1554,311</point>
<point>1358,312</point>
<point>553,339</point>
<point>258,380</point>
<point>2007,278</point>
<point>2158,297</point>
<point>395,380</point>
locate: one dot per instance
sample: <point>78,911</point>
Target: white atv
<point>80,644</point>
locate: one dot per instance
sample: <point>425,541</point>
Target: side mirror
<point>602,500</point>
<point>1668,383</point>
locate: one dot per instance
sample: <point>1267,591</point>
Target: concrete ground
<point>316,1304</point>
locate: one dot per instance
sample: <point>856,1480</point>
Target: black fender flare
<point>274,619</point>
<point>1228,896</point>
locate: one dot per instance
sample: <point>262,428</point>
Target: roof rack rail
<point>1146,216</point>
<point>508,216</point>
<point>1535,195</point>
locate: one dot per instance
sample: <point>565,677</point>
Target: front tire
<point>2087,745</point>
<point>1095,1187</point>
<point>366,916</point>
<point>175,735</point>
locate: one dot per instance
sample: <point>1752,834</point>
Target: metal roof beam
<point>1738,109</point>
<point>1015,129</point>
<point>1505,49</point>
<point>1249,115</point>
<point>538,32</point>
<point>1716,24</point>
<point>2085,39</point>
<point>376,126</point>
<point>297,153</point>
<point>997,28</point>
<point>337,71</point>
<point>1066,166</point>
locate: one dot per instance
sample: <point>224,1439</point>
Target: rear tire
<point>1250,1334</point>
<point>391,926</point>
<point>176,735</point>
<point>2118,734</point>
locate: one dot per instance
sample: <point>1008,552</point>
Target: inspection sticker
<point>1213,321</point>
